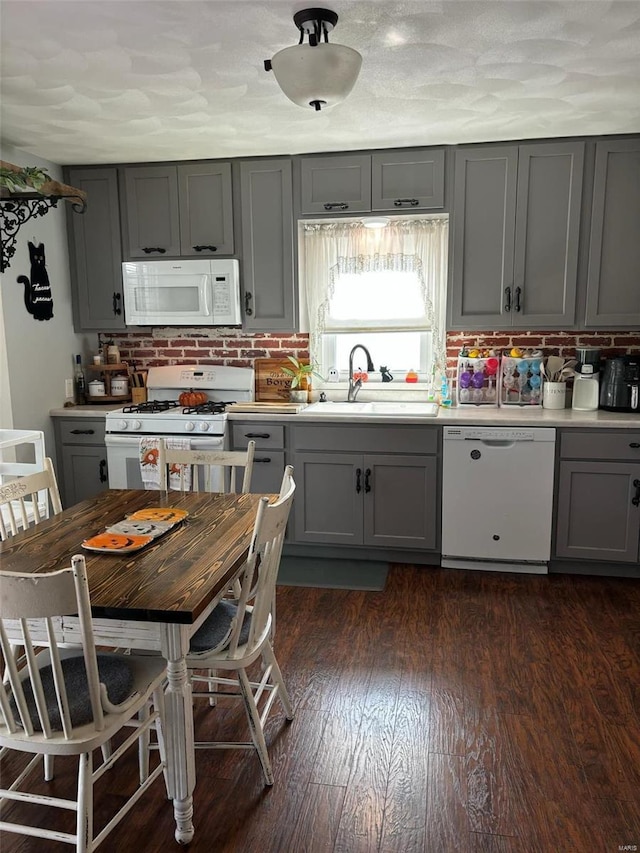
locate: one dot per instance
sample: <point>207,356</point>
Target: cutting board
<point>271,383</point>
<point>266,408</point>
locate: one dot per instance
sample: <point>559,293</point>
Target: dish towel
<point>150,470</point>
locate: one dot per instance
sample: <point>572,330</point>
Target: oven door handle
<point>198,442</point>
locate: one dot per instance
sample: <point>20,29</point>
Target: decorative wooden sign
<point>271,382</point>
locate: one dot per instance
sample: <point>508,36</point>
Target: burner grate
<point>208,408</point>
<point>150,407</point>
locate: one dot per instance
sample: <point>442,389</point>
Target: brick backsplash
<point>203,346</point>
<point>550,342</point>
<point>240,349</point>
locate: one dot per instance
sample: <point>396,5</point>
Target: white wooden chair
<point>28,500</point>
<point>240,631</point>
<point>67,703</point>
<point>211,470</point>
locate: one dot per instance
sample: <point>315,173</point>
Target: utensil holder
<point>554,395</point>
<point>138,395</point>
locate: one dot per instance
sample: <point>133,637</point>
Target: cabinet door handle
<point>149,249</point>
<point>117,310</point>
<point>82,431</point>
<point>634,444</point>
<point>203,248</point>
<point>248,310</point>
<point>103,470</point>
<point>336,205</point>
<point>635,500</point>
<point>257,435</point>
<point>358,484</point>
<point>507,304</point>
<point>518,292</point>
<point>263,459</point>
<point>411,201</point>
<point>367,484</point>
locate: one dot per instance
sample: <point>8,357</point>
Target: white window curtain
<point>418,246</point>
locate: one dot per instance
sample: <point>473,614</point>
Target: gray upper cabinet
<point>336,184</point>
<point>178,211</point>
<point>407,180</point>
<point>151,202</point>
<point>267,245</point>
<point>206,209</point>
<point>96,252</point>
<point>613,289</point>
<point>516,235</point>
<point>410,179</point>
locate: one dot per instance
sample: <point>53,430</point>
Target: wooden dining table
<point>154,598</point>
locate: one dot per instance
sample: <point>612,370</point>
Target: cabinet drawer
<point>622,445</point>
<point>81,431</point>
<point>268,468</point>
<point>264,435</point>
<point>367,438</point>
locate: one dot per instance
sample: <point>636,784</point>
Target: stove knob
<point>203,426</point>
<point>123,424</point>
<point>189,426</point>
<point>136,425</point>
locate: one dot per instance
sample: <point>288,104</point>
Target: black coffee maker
<point>620,385</point>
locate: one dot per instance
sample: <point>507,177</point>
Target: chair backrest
<point>27,500</point>
<point>32,601</point>
<point>258,580</point>
<point>215,470</point>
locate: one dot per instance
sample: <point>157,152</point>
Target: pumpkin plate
<point>140,528</point>
<point>116,543</point>
<point>158,513</point>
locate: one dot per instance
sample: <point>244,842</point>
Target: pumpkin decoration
<point>192,398</point>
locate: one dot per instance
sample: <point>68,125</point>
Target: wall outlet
<point>68,389</point>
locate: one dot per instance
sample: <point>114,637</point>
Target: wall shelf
<point>18,208</point>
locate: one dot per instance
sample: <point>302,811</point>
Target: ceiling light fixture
<point>317,74</point>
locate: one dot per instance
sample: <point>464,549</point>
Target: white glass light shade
<point>325,73</point>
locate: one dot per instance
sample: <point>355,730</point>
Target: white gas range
<point>162,416</point>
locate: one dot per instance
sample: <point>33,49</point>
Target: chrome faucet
<point>354,387</point>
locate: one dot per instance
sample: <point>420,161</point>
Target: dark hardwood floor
<point>455,711</point>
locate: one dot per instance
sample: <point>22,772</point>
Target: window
<point>385,289</point>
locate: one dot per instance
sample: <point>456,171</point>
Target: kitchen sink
<point>389,409</point>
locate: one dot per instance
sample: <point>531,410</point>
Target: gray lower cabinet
<point>393,180</point>
<point>269,458</point>
<point>598,503</point>
<point>178,211</point>
<point>82,458</point>
<point>613,292</point>
<point>95,251</point>
<point>515,235</point>
<point>267,245</point>
<point>388,500</point>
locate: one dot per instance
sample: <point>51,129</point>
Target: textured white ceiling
<point>108,81</point>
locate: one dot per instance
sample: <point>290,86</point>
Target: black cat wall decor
<point>37,292</point>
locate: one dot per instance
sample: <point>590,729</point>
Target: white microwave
<point>182,293</point>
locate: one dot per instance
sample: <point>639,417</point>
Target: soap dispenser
<point>585,390</point>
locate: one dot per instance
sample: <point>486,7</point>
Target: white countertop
<point>87,411</point>
<point>478,415</point>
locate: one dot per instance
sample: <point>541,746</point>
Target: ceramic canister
<point>96,388</point>
<point>119,386</point>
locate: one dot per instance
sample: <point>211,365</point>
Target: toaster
<point>620,385</point>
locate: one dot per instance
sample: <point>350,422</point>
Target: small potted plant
<point>300,373</point>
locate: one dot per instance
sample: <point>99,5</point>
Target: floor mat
<point>332,574</point>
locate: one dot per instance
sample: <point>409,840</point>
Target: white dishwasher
<point>497,498</point>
